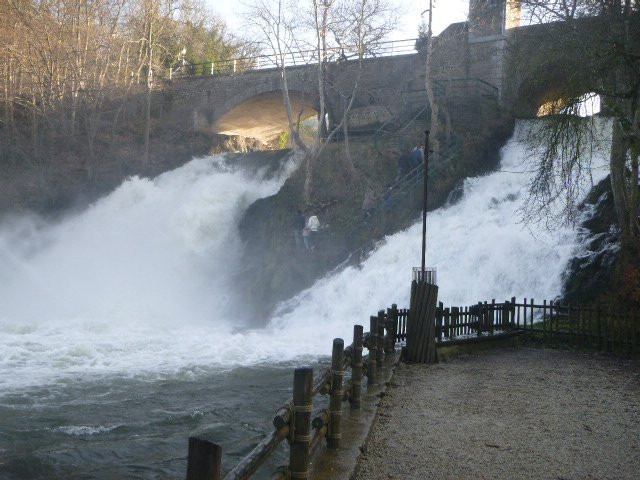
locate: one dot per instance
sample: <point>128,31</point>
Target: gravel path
<point>522,413</point>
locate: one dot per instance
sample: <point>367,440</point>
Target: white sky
<point>445,12</point>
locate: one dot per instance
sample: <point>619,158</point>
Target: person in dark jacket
<point>404,166</point>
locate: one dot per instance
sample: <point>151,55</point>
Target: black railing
<point>603,328</point>
<point>292,58</point>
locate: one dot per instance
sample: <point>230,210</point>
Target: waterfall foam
<point>134,284</point>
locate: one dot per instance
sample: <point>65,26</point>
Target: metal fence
<point>292,58</point>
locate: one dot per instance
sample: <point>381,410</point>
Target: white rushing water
<point>133,284</point>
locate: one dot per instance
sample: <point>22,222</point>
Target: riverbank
<point>522,413</point>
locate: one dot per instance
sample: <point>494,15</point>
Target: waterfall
<point>139,282</point>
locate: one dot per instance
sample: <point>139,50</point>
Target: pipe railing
<point>292,59</point>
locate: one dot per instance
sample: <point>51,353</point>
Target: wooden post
<point>356,367</point>
<point>447,325</point>
<point>394,328</point>
<point>557,321</point>
<point>531,317</point>
<point>492,316</point>
<point>524,317</point>
<point>513,314</point>
<point>439,314</point>
<point>302,408</point>
<point>380,337</point>
<point>480,318</point>
<point>335,402</point>
<point>373,345</point>
<point>389,337</point>
<point>204,460</point>
<point>544,321</point>
<point>455,316</point>
<point>505,316</point>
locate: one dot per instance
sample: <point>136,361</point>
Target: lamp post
<point>424,205</point>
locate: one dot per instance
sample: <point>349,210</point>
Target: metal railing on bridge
<point>461,88</point>
<point>292,59</point>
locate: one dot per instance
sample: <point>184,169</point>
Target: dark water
<point>114,428</point>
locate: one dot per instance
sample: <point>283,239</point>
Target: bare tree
<point>276,23</point>
<point>356,26</point>
<point>610,67</point>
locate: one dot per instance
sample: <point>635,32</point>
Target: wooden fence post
<point>455,320</point>
<point>301,438</point>
<point>390,324</point>
<point>513,313</point>
<point>204,460</point>
<point>447,322</point>
<point>439,313</point>
<point>373,345</point>
<point>505,316</point>
<point>356,367</point>
<point>335,401</point>
<point>492,315</point>
<point>544,321</point>
<point>380,337</point>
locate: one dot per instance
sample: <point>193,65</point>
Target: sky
<point>445,13</point>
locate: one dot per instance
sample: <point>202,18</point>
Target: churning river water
<point>116,344</point>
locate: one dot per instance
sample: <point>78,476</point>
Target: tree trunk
<point>618,166</point>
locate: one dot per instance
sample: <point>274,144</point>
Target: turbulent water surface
<point>117,340</point>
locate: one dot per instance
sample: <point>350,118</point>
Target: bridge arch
<point>544,91</point>
<point>262,116</point>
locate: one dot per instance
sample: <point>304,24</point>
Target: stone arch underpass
<point>264,116</point>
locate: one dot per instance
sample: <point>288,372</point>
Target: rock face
<point>591,274</point>
<point>280,267</point>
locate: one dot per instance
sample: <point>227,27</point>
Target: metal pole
<point>424,202</point>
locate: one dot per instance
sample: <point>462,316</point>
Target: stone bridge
<point>477,60</point>
<point>251,103</point>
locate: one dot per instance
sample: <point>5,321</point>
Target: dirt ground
<point>509,414</point>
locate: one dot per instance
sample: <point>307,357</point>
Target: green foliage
<point>206,40</point>
<point>284,140</point>
<point>423,36</point>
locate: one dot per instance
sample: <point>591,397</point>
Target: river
<point>117,339</point>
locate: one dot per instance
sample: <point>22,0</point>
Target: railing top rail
<point>294,58</point>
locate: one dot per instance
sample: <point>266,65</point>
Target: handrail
<point>292,59</point>
<point>386,329</point>
<point>600,327</point>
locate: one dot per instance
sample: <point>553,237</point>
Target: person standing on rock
<point>313,224</point>
<point>416,157</point>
